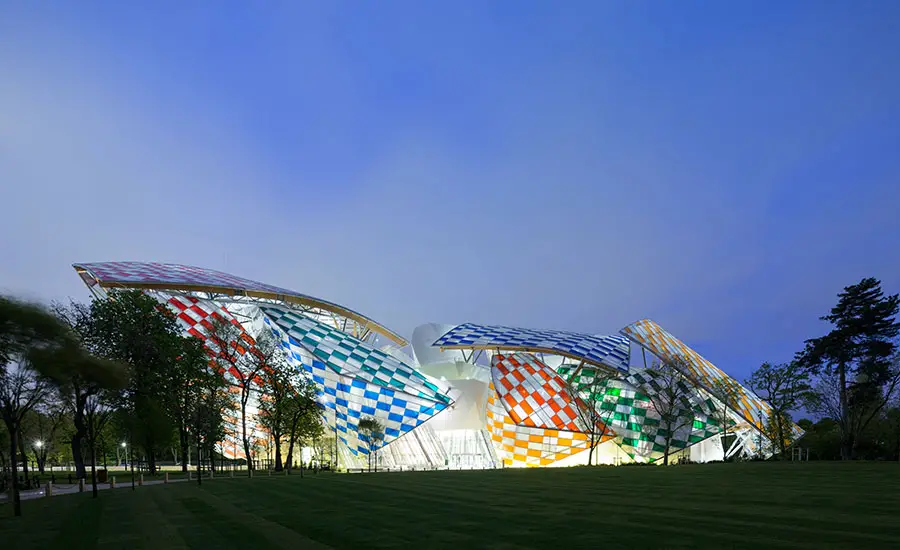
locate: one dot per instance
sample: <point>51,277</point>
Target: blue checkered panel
<point>344,353</point>
<point>354,380</point>
<point>610,351</point>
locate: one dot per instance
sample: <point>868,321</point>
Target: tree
<point>189,381</point>
<point>587,387</point>
<point>785,387</point>
<point>133,328</point>
<point>98,410</point>
<point>28,336</point>
<point>857,375</point>
<point>85,376</point>
<point>288,397</point>
<point>214,401</point>
<point>669,393</point>
<point>273,407</point>
<point>372,431</point>
<point>726,396</point>
<point>44,425</point>
<point>305,421</point>
<point>244,359</point>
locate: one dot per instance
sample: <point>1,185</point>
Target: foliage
<point>372,431</point>
<point>856,360</point>
<point>785,387</point>
<point>669,393</point>
<point>133,328</point>
<point>243,360</point>
<point>89,376</point>
<point>30,342</point>
<point>587,385</point>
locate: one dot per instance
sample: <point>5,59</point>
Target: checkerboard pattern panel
<point>524,446</point>
<point>342,352</point>
<point>533,394</point>
<point>627,409</point>
<point>346,395</point>
<point>665,346</point>
<point>159,273</point>
<point>195,317</point>
<point>186,275</point>
<point>612,351</point>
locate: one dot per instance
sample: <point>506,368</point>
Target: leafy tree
<point>243,359</point>
<point>214,402</point>
<point>29,335</point>
<point>189,381</point>
<point>785,387</point>
<point>669,393</point>
<point>858,373</point>
<point>44,427</point>
<point>287,396</point>
<point>76,387</point>
<point>133,328</point>
<point>372,431</point>
<point>98,411</point>
<point>274,407</point>
<point>587,386</point>
<point>305,421</point>
<point>822,438</point>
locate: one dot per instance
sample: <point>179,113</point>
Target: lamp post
<point>131,461</point>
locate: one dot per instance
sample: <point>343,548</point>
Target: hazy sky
<point>724,168</point>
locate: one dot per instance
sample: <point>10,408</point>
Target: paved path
<point>68,489</point>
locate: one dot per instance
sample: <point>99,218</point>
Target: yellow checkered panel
<point>659,342</point>
<point>525,446</point>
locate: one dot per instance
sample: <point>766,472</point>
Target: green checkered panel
<point>626,407</point>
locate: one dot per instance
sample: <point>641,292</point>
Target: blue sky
<point>723,168</point>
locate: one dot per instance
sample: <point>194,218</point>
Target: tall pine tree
<point>856,361</point>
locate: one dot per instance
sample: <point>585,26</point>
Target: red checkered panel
<point>194,317</point>
<point>533,394</point>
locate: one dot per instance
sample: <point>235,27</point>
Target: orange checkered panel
<point>533,394</point>
<point>526,446</point>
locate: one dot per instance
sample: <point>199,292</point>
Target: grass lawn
<point>757,505</point>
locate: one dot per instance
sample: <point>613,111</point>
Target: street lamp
<point>39,444</point>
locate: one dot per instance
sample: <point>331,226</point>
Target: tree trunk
<point>14,467</point>
<point>77,454</point>
<point>845,414</point>
<point>724,436</point>
<point>199,461</point>
<point>244,440</point>
<point>78,437</point>
<point>779,431</point>
<point>24,456</point>
<point>291,438</point>
<point>591,450</point>
<point>41,459</point>
<point>93,445</point>
<point>210,452</point>
<point>151,459</point>
<point>277,441</point>
<point>183,447</point>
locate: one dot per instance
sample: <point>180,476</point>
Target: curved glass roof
<point>606,351</point>
<point>159,276</point>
